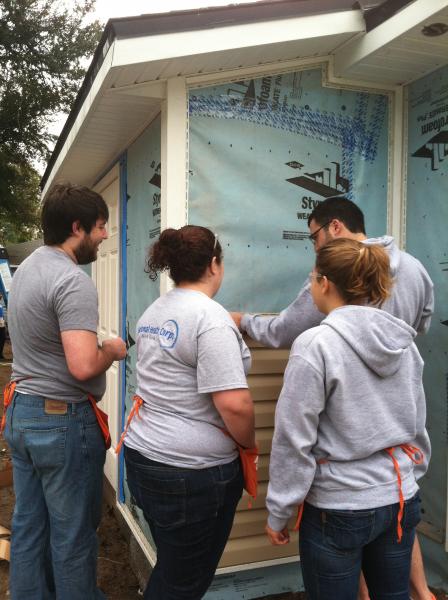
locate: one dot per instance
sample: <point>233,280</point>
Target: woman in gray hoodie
<point>350,439</point>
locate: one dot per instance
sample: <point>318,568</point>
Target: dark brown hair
<point>184,252</point>
<point>66,204</point>
<point>342,209</point>
<point>359,271</point>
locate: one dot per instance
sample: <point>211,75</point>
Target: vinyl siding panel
<point>248,542</point>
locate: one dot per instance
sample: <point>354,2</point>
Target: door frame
<point>111,467</point>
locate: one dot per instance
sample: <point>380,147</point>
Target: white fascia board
<point>189,43</point>
<point>357,50</point>
<point>86,107</point>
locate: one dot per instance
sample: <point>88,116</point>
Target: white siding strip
<point>174,161</point>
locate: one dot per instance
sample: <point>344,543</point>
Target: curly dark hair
<point>184,252</point>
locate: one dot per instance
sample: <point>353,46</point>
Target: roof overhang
<point>126,83</point>
<point>396,51</point>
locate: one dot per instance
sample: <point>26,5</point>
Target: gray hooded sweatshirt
<point>412,300</point>
<point>353,387</point>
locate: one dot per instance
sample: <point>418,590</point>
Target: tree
<point>19,203</point>
<point>43,47</point>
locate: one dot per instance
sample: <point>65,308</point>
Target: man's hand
<point>277,538</point>
<point>237,316</point>
<point>115,348</point>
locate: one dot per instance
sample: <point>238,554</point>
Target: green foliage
<point>19,205</point>
<point>42,47</point>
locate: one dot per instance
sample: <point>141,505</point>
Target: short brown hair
<point>66,204</point>
<point>184,252</point>
<point>342,209</point>
<point>360,272</point>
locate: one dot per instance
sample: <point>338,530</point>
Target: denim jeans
<point>57,466</point>
<point>190,513</point>
<point>335,544</point>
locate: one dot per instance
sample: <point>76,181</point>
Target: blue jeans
<point>190,513</point>
<point>335,544</point>
<point>58,467</point>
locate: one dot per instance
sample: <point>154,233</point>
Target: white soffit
<point>396,52</point>
<point>104,134</point>
<point>103,129</point>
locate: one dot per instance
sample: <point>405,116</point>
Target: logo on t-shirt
<point>168,334</point>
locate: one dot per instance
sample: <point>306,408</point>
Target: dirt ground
<point>115,576</point>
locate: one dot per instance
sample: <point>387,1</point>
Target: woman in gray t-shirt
<point>182,469</point>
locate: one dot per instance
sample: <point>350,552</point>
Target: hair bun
<point>170,238</point>
<point>185,252</point>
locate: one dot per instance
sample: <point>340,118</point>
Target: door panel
<point>106,274</point>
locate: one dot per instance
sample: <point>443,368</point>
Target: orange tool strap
<point>299,517</point>
<point>138,401</point>
<point>249,464</point>
<point>8,394</point>
<point>416,455</point>
<point>103,420</point>
<point>296,527</point>
<point>101,416</point>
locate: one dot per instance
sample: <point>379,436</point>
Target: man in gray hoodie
<point>411,299</point>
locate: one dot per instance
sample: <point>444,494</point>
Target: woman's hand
<point>277,538</point>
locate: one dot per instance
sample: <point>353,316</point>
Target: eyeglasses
<point>313,236</point>
<point>314,275</point>
<point>216,242</point>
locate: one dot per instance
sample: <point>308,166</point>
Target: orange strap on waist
<point>138,401</point>
<point>8,394</point>
<point>103,420</point>
<point>101,416</point>
<point>249,464</point>
<point>299,517</point>
<point>320,461</point>
<point>416,455</point>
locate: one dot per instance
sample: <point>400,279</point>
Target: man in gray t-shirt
<point>57,446</point>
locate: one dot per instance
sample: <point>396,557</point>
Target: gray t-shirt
<point>187,348</point>
<point>49,294</point>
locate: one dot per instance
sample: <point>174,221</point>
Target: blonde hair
<point>360,272</point>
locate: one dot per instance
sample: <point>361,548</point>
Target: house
<point>242,118</point>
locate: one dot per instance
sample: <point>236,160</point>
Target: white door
<point>106,275</point>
